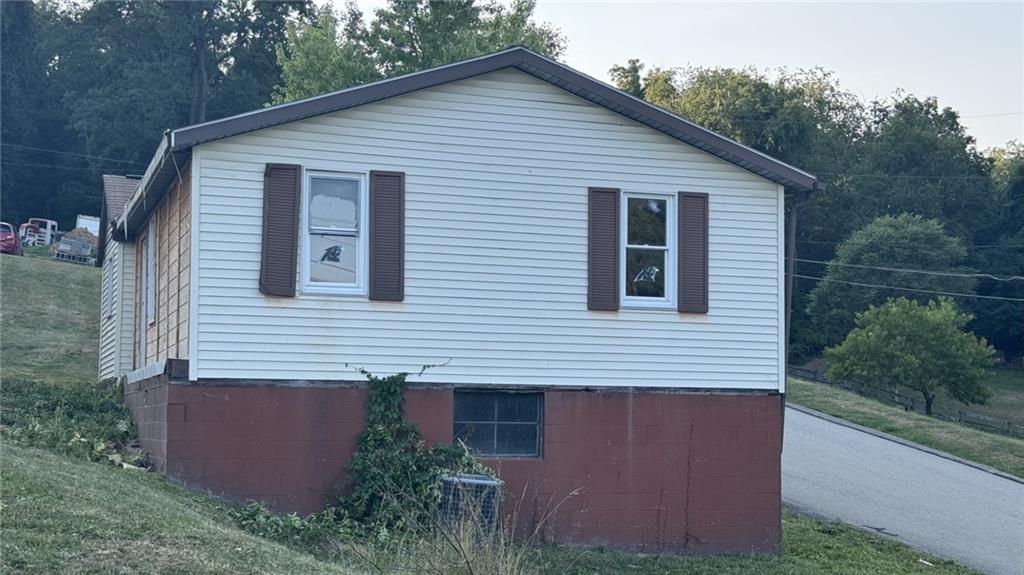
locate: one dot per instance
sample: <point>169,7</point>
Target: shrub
<point>317,531</point>
<point>88,420</point>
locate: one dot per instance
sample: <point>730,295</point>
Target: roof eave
<point>160,174</point>
<point>178,144</point>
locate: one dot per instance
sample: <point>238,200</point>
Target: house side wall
<point>110,335</point>
<point>116,329</point>
<point>126,307</point>
<point>497,170</point>
<point>167,335</point>
<point>641,470</point>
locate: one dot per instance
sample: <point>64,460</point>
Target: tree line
<point>89,88</point>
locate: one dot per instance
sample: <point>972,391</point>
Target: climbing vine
<point>394,478</point>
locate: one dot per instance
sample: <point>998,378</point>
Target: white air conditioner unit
<point>470,497</point>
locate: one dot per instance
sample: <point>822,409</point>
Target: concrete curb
<point>901,441</point>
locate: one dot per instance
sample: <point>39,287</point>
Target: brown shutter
<point>603,249</point>
<point>282,184</point>
<point>693,252</point>
<point>387,236</point>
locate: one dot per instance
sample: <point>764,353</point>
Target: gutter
<point>160,172</point>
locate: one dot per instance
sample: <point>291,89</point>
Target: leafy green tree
<point>906,242</point>
<point>324,55</point>
<point>43,173</point>
<point>628,78</point>
<point>918,158</point>
<point>1000,252</point>
<point>90,87</point>
<point>410,35</point>
<point>405,36</point>
<point>903,344</point>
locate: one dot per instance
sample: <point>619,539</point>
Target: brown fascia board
<point>180,142</point>
<point>527,61</point>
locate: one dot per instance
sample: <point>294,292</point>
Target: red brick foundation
<point>651,471</point>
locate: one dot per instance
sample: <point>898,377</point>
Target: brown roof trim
<point>527,61</point>
<point>175,148</point>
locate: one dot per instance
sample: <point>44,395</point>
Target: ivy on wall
<point>394,476</point>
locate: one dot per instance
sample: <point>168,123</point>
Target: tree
<point>628,78</point>
<point>405,36</point>
<point>906,345</point>
<point>324,55</point>
<point>88,88</point>
<point>916,157</point>
<point>1000,252</point>
<point>904,242</point>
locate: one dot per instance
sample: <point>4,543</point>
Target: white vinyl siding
<point>116,327</point>
<point>497,170</point>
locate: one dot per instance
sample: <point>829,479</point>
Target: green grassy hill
<point>49,320</point>
<point>65,514</point>
<point>1000,451</point>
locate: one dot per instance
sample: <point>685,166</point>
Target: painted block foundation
<point>650,471</point>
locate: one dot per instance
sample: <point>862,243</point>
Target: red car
<point>9,242</point>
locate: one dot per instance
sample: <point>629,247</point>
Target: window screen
<point>499,424</point>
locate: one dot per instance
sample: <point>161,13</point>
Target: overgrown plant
<point>319,531</point>
<point>393,466</point>
<point>87,420</point>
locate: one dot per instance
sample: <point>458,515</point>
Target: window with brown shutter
<point>387,236</point>
<point>282,185</point>
<point>603,249</point>
<point>693,252</point>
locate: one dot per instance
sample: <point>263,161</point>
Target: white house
<point>117,289</point>
<point>601,280</point>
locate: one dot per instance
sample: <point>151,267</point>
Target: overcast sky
<point>969,55</point>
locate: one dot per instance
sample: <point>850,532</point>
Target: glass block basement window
<point>499,423</point>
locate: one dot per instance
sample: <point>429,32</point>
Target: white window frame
<point>671,279</point>
<point>361,232</point>
<point>150,293</point>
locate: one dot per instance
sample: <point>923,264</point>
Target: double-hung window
<point>334,237</point>
<point>647,264</point>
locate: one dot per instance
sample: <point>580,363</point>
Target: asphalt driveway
<point>940,506</point>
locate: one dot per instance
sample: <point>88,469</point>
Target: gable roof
<point>176,146</point>
<point>117,190</point>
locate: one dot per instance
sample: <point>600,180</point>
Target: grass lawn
<point>63,515</point>
<point>999,451</point>
<point>1007,401</point>
<point>49,319</point>
<point>810,547</point>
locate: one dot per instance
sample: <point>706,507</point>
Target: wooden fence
<point>911,403</point>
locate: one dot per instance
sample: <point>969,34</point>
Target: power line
<point>850,242</point>
<point>54,166</point>
<point>913,271</point>
<point>1017,299</point>
<point>902,176</point>
<point>49,151</point>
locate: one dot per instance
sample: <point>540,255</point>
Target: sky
<point>968,55</point>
